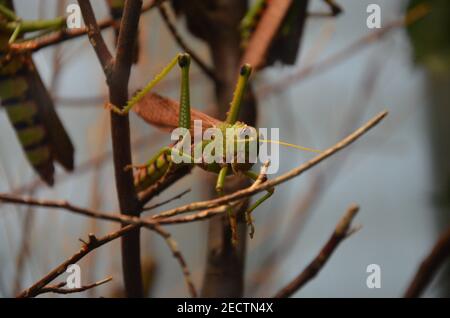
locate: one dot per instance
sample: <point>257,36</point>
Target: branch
<point>95,37</point>
<point>157,205</point>
<point>281,179</point>
<point>69,34</point>
<point>177,254</point>
<point>341,232</point>
<point>173,30</point>
<point>57,289</point>
<point>117,78</point>
<point>91,245</point>
<point>429,266</point>
<point>171,177</point>
<point>148,222</point>
<point>132,221</point>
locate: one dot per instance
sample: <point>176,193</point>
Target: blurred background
<point>397,173</point>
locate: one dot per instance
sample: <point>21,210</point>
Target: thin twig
<point>69,34</point>
<point>95,37</point>
<point>430,265</point>
<point>340,233</point>
<point>147,222</point>
<point>177,37</point>
<point>157,205</point>
<point>117,73</point>
<point>58,288</point>
<point>179,257</point>
<point>91,245</point>
<point>130,220</point>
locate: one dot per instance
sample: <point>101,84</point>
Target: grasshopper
<point>162,112</point>
<point>26,100</point>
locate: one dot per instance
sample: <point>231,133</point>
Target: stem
<point>117,74</point>
<point>121,144</point>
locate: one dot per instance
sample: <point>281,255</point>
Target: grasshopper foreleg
<point>231,215</point>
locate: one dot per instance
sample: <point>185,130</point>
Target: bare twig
<point>176,35</point>
<point>69,34</point>
<point>335,8</point>
<point>429,266</point>
<point>340,233</point>
<point>157,205</point>
<point>58,288</point>
<point>92,244</point>
<point>177,254</point>
<point>117,73</point>
<point>95,37</point>
<point>161,185</point>
<point>130,220</point>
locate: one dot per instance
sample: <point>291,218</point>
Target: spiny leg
<point>232,117</point>
<point>231,216</point>
<point>8,13</point>
<point>167,151</point>
<point>15,34</point>
<point>238,94</point>
<point>184,122</point>
<point>180,59</point>
<point>17,26</point>
<point>248,213</point>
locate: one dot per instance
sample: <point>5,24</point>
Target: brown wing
<point>162,112</point>
<point>269,42</point>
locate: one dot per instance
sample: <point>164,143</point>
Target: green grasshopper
<point>162,112</point>
<point>26,100</point>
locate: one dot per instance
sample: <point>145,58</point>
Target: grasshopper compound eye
<point>246,70</point>
<point>184,60</point>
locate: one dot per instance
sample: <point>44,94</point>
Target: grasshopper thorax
<point>234,144</point>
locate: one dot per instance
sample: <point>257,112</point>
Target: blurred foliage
<point>430,37</point>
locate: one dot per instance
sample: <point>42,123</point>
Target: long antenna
<point>290,145</point>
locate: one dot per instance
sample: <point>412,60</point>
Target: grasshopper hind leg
<point>248,214</point>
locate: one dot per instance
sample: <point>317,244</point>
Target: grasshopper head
<point>244,140</point>
<point>184,60</point>
<point>246,70</point>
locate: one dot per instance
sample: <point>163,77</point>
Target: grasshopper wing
<point>162,113</point>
